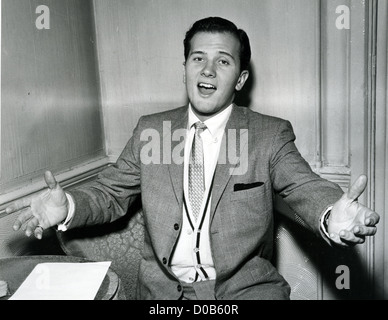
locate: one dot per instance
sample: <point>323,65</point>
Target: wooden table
<point>14,270</point>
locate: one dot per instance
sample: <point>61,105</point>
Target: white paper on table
<point>63,281</point>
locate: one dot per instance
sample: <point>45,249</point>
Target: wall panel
<point>141,54</point>
<point>381,152</point>
<point>50,108</point>
<point>50,115</point>
<point>335,77</point>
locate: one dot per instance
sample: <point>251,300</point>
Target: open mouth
<point>206,88</point>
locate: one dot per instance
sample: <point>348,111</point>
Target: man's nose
<point>209,70</point>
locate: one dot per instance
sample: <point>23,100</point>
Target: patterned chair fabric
<point>120,242</point>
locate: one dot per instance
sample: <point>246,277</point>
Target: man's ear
<point>242,79</point>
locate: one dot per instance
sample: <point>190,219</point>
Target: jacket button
<point>179,288</point>
<point>176,226</point>
<point>164,260</point>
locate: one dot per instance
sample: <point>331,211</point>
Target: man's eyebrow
<point>228,54</point>
<point>220,52</point>
<point>197,52</point>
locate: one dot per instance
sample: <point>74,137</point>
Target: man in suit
<point>207,174</point>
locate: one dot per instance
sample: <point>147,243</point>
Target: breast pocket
<point>247,190</point>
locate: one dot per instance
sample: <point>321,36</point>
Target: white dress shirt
<point>184,262</point>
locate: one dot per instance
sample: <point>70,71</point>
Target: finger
<point>18,205</point>
<point>24,225</point>
<point>23,217</point>
<point>357,188</point>
<point>50,180</point>
<point>38,232</point>
<point>364,231</point>
<point>372,219</point>
<point>350,237</point>
<point>30,226</point>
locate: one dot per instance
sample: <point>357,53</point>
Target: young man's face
<point>212,73</point>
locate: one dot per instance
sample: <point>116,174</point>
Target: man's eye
<point>199,59</point>
<point>224,62</point>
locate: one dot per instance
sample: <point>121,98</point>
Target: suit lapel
<point>227,162</point>
<point>178,127</point>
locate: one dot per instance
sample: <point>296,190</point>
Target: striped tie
<point>196,171</point>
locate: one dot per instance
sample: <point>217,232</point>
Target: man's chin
<point>203,109</point>
<point>204,112</point>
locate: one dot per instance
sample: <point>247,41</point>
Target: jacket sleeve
<point>307,194</point>
<point>115,189</point>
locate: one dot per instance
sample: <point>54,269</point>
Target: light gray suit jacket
<point>241,215</point>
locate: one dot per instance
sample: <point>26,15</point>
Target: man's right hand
<point>41,211</point>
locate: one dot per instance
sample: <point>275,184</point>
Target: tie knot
<point>200,126</point>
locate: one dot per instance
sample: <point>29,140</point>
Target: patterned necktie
<point>196,171</point>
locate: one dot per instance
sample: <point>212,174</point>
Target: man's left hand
<point>349,221</point>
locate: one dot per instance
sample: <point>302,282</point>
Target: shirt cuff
<point>63,225</point>
<point>323,221</point>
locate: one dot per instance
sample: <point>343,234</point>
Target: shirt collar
<point>215,124</point>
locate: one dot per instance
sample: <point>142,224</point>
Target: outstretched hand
<point>41,211</point>
<point>349,221</point>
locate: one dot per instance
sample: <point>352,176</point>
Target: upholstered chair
<point>119,242</point>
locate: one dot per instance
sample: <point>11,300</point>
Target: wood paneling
<point>141,54</point>
<point>336,71</point>
<point>381,153</point>
<point>50,109</point>
<point>50,113</point>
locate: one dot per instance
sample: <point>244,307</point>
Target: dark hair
<point>217,24</point>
